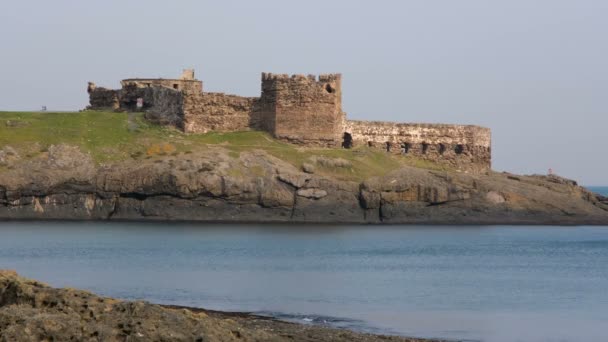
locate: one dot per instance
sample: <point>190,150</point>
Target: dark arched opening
<point>405,148</point>
<point>441,148</point>
<point>347,140</point>
<point>388,146</point>
<point>329,88</point>
<point>459,149</point>
<point>425,147</point>
<point>370,144</point>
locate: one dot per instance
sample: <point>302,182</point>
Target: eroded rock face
<point>8,156</point>
<point>65,183</point>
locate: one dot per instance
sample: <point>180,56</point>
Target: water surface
<point>495,283</point>
<point>602,190</point>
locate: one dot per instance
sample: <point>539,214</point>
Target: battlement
<point>273,82</point>
<point>268,76</point>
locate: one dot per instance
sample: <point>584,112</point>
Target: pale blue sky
<point>534,71</point>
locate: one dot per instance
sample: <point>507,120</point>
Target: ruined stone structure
<point>305,110</point>
<point>186,82</point>
<point>302,109</point>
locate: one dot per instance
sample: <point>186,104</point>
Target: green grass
<point>109,136</point>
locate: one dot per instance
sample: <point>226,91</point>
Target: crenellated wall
<point>464,147</point>
<point>302,109</point>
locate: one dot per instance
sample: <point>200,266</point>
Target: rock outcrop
<point>33,311</point>
<point>213,185</point>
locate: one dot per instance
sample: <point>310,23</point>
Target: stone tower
<point>302,109</point>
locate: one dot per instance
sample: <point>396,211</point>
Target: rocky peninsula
<point>138,171</point>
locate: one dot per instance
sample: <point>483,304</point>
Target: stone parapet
<point>464,147</point>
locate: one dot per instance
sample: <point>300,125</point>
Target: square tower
<point>302,109</point>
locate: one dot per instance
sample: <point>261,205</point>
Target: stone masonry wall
<point>102,98</point>
<point>302,109</point>
<point>166,106</point>
<point>187,85</point>
<point>206,112</point>
<point>467,148</point>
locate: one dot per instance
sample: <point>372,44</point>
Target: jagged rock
<point>312,193</point>
<point>495,197</point>
<point>8,156</point>
<point>331,162</point>
<point>308,168</point>
<point>296,179</point>
<point>16,123</point>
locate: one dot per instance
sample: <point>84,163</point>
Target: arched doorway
<point>347,140</point>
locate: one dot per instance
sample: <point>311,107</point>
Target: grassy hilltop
<point>112,137</point>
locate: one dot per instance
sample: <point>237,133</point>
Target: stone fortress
<point>304,110</point>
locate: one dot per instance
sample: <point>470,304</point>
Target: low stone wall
<point>463,147</point>
<point>217,112</point>
<point>191,86</point>
<point>103,98</point>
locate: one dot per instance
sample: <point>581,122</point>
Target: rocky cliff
<point>215,185</point>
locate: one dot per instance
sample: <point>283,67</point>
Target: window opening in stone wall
<point>347,140</point>
<point>370,144</point>
<point>441,148</point>
<point>459,149</point>
<point>425,148</point>
<point>329,88</point>
<point>388,146</point>
<point>176,86</point>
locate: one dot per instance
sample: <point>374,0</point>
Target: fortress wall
<point>165,106</point>
<point>102,98</point>
<point>305,110</point>
<point>302,109</point>
<point>463,147</point>
<point>205,112</point>
<point>187,85</point>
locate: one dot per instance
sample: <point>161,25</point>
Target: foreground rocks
<point>215,185</point>
<point>33,311</point>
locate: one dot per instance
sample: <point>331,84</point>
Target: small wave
<point>330,321</point>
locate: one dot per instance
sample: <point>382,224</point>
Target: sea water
<point>602,190</point>
<point>491,283</point>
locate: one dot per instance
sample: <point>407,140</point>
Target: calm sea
<point>494,283</point>
<point>602,190</point>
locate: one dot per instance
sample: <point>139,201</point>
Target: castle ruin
<point>304,110</point>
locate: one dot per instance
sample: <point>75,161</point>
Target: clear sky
<point>534,71</point>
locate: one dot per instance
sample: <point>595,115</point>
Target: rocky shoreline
<point>33,311</point>
<point>212,185</point>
